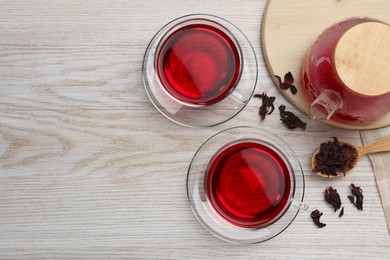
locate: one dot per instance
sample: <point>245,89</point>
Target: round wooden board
<point>290,26</point>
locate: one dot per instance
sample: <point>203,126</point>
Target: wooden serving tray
<point>290,26</point>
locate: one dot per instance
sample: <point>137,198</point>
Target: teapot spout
<point>325,105</point>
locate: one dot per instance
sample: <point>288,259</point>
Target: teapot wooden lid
<point>362,58</point>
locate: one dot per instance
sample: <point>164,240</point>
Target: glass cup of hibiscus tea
<point>199,70</point>
<point>245,185</point>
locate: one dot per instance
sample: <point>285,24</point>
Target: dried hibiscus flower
<point>315,215</point>
<point>287,83</point>
<point>333,198</point>
<point>267,106</point>
<point>351,199</point>
<point>290,120</point>
<point>334,158</point>
<point>341,212</point>
<point>358,193</point>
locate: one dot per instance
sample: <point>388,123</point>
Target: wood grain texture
<point>89,168</point>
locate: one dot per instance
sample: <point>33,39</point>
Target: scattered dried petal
<point>333,198</point>
<point>288,78</point>
<point>315,215</point>
<point>285,86</point>
<point>293,89</point>
<point>351,199</point>
<point>287,83</point>
<point>267,106</point>
<point>334,158</point>
<point>358,193</point>
<point>341,212</point>
<point>290,120</point>
<point>279,79</point>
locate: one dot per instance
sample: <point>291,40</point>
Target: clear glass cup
<point>245,185</point>
<point>199,70</point>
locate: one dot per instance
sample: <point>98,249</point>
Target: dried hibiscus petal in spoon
<point>358,193</point>
<point>315,215</point>
<point>267,106</point>
<point>287,83</point>
<point>334,158</point>
<point>290,120</point>
<point>333,198</point>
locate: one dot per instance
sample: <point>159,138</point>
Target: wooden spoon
<point>382,145</point>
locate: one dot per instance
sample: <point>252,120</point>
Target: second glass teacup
<point>245,185</point>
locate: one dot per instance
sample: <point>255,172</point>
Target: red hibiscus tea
<point>249,184</point>
<point>198,64</point>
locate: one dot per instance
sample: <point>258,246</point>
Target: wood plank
<point>90,169</point>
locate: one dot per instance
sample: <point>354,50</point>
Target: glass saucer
<point>203,82</point>
<point>201,198</point>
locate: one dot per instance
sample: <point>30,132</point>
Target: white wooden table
<point>90,169</point>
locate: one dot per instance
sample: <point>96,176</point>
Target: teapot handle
<point>323,107</point>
